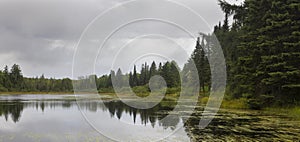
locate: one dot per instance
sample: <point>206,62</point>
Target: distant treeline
<point>169,70</point>
<point>13,81</point>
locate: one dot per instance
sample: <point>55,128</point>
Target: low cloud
<point>41,35</point>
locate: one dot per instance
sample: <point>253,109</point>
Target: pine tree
<point>159,68</point>
<point>262,63</point>
<point>144,77</point>
<point>199,57</point>
<point>153,70</point>
<point>16,77</point>
<point>119,79</point>
<point>135,81</point>
<point>6,79</point>
<point>226,23</point>
<point>130,79</point>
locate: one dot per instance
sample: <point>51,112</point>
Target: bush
<point>254,104</point>
<point>141,89</point>
<point>106,90</point>
<point>204,100</point>
<point>3,89</point>
<point>235,103</point>
<point>261,102</point>
<point>173,90</point>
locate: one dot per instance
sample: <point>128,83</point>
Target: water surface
<point>58,118</point>
<point>50,118</point>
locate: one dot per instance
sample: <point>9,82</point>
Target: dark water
<point>29,118</point>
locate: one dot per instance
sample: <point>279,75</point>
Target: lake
<point>51,118</point>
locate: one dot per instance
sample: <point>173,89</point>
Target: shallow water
<point>50,118</point>
<point>242,125</point>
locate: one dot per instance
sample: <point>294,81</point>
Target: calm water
<point>45,118</point>
<point>58,118</point>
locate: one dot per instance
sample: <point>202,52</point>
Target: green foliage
<point>138,81</point>
<point>170,72</point>
<point>16,77</point>
<point>13,80</point>
<point>134,77</point>
<point>200,59</point>
<point>153,70</point>
<point>260,102</point>
<point>106,90</point>
<point>292,112</point>
<point>262,51</point>
<point>240,103</point>
<point>3,89</point>
<point>173,90</point>
<point>140,89</point>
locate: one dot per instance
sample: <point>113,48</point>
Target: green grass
<point>293,112</point>
<point>235,104</point>
<point>229,104</point>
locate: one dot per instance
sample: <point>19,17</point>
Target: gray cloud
<point>41,35</point>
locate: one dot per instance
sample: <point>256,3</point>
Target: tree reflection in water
<point>14,109</point>
<point>157,113</point>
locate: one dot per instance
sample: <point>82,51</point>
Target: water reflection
<point>157,113</point>
<point>30,118</point>
<point>13,109</point>
<point>51,118</point>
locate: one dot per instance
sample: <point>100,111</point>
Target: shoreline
<point>237,104</point>
<point>52,93</point>
<point>36,93</point>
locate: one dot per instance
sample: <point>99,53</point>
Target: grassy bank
<point>235,104</point>
<point>229,104</point>
<point>293,112</point>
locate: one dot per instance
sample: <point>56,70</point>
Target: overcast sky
<point>42,36</point>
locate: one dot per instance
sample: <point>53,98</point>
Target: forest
<point>13,81</point>
<point>262,50</point>
<point>261,47</point>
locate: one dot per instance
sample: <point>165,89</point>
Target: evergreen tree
<point>6,78</point>
<point>130,79</point>
<point>111,76</point>
<point>226,23</point>
<point>2,82</point>
<point>135,81</point>
<point>119,78</point>
<point>153,70</point>
<point>199,57</point>
<point>159,70</point>
<point>42,84</point>
<point>262,57</point>
<point>174,74</point>
<point>170,73</point>
<point>144,77</point>
<point>16,77</point>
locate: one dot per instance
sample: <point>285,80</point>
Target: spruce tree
<point>153,70</point>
